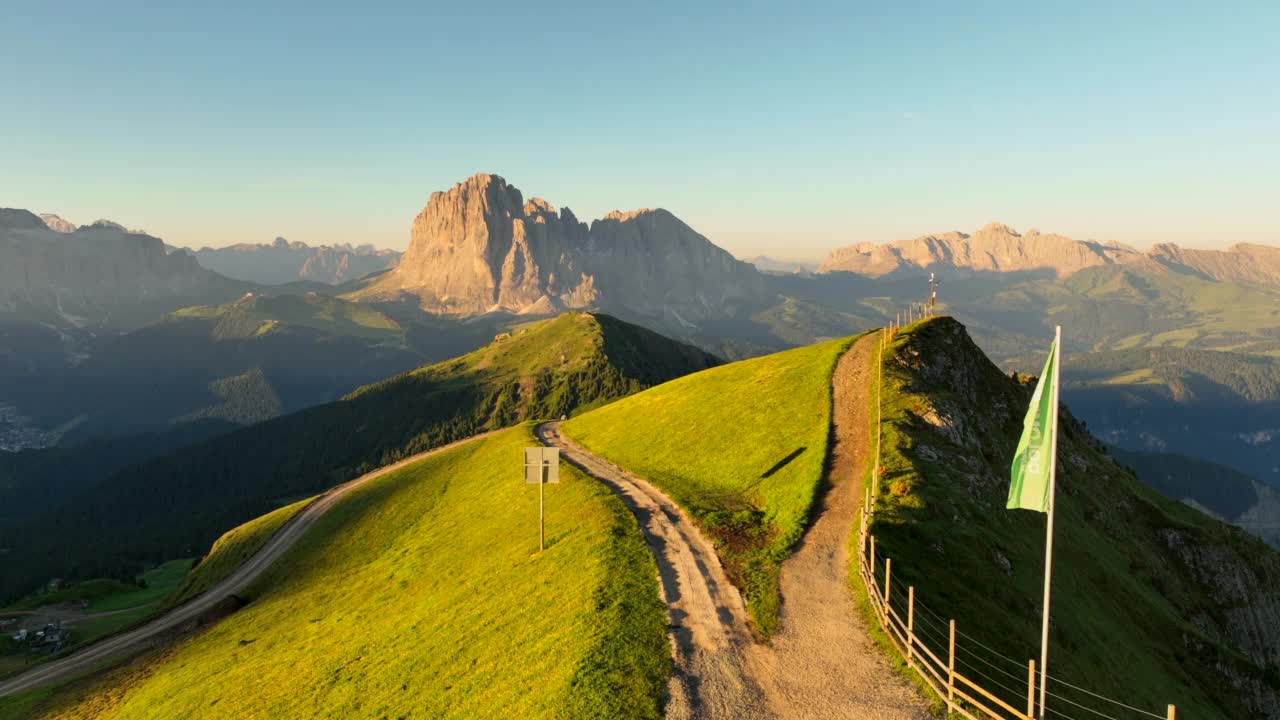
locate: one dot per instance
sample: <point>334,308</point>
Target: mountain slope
<point>1220,491</point>
<point>177,505</point>
<point>95,274</point>
<point>1154,602</point>
<point>284,262</point>
<point>243,362</point>
<point>1219,406</point>
<point>423,593</point>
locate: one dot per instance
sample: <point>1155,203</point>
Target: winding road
<point>158,630</point>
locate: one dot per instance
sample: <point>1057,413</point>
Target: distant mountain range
<point>94,274</point>
<point>767,264</point>
<point>283,262</point>
<point>482,257</point>
<point>1000,249</point>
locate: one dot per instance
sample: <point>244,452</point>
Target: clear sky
<point>775,128</point>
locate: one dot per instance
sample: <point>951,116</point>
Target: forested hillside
<point>176,506</point>
<point>1217,406</point>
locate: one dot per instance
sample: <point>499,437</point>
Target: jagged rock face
<point>994,248</point>
<point>283,261</point>
<point>81,275</point>
<point>58,224</point>
<point>1243,262</point>
<point>654,264</point>
<point>480,248</point>
<point>998,248</point>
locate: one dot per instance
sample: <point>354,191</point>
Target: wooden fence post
<point>873,559</point>
<point>1172,711</point>
<point>911,620</point>
<point>888,571</point>
<point>951,669</point>
<point>1031,688</point>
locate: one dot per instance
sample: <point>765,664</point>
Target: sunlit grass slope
<point>230,551</point>
<point>741,447</point>
<point>422,595</point>
<point>178,504</point>
<point>1149,595</point>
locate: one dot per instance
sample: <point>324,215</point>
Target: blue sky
<point>771,128</point>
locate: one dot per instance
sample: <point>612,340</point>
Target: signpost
<point>541,466</point>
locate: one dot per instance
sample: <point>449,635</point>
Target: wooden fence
<point>936,666</point>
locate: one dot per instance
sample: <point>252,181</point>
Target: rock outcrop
<point>480,247</point>
<point>282,262</point>
<point>995,248</point>
<point>1258,264</point>
<point>58,223</point>
<point>999,248</point>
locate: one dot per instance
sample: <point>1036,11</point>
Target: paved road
<point>155,631</point>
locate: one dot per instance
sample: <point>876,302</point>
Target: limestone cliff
<point>994,248</point>
<point>999,248</point>
<point>480,247</point>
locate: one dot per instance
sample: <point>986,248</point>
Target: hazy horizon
<point>778,134</point>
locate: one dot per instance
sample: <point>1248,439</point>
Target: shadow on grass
<point>784,461</point>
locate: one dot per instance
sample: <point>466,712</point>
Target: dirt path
<point>706,617</point>
<point>822,663</point>
<point>191,612</point>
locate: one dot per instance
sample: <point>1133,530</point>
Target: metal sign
<point>541,465</point>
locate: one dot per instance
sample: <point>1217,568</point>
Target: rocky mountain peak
<point>998,228</point>
<point>17,219</point>
<point>58,224</point>
<point>478,247</point>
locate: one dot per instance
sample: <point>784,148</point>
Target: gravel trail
<point>822,663</point>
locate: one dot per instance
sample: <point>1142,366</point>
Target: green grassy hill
<point>253,315</point>
<point>422,594</point>
<point>1154,602</point>
<point>741,447</point>
<point>176,505</point>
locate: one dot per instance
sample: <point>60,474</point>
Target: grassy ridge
<point>230,551</point>
<point>742,447</point>
<point>175,506</point>
<point>1131,567</point>
<point>422,595</point>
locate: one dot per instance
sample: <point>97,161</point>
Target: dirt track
<point>822,663</point>
<point>188,614</point>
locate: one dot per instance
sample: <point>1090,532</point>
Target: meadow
<point>422,594</point>
<point>742,447</point>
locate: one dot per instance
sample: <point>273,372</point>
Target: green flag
<point>1029,488</point>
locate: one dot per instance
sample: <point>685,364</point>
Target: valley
<point>742,530</point>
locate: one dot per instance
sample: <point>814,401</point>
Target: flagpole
<point>1048,542</point>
